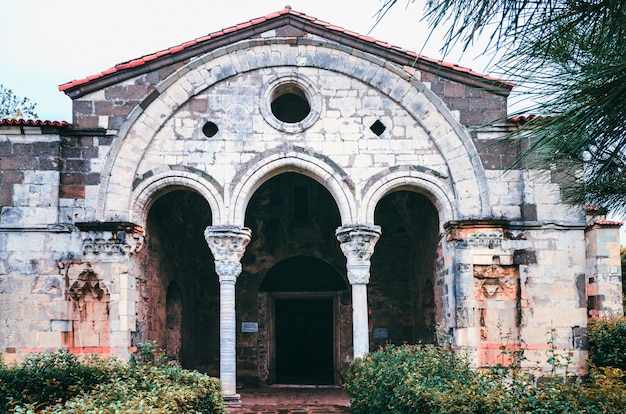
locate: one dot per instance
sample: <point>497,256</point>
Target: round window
<point>290,103</point>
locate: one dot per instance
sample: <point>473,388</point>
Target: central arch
<point>293,284</point>
<point>334,179</point>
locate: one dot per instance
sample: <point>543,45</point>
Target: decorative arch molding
<point>436,189</point>
<point>327,174</point>
<point>148,117</point>
<point>166,180</point>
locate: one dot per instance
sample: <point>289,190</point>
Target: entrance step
<point>300,400</point>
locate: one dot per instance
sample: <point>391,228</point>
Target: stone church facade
<point>270,201</point>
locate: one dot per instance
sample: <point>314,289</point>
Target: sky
<point>46,43</point>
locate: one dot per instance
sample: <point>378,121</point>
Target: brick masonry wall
<point>475,106</point>
<point>29,171</point>
<point>110,107</point>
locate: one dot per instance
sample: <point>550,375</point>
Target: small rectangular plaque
<point>249,327</point>
<point>381,333</point>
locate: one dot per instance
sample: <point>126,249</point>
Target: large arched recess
<point>293,219</point>
<point>469,185</point>
<point>178,289</point>
<point>402,298</point>
<point>265,167</point>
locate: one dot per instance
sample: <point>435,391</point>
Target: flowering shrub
<point>153,390</point>
<point>412,379</point>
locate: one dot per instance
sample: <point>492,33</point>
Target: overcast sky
<point>45,43</point>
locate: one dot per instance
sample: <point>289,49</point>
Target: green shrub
<point>150,390</point>
<point>607,342</point>
<point>428,379</point>
<point>411,379</point>
<point>59,382</point>
<point>43,379</point>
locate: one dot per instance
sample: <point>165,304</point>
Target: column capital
<point>228,244</point>
<point>357,244</point>
<point>110,240</point>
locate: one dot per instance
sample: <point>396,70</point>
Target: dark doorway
<point>304,341</point>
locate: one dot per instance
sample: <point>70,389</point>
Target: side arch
<point>272,165</point>
<point>163,182</point>
<point>438,190</point>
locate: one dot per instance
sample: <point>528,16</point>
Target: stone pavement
<point>271,400</point>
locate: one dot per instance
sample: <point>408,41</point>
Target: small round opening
<point>290,104</point>
<point>209,129</point>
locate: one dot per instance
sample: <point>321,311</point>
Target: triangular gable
<point>294,24</point>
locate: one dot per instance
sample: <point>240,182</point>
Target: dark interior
<point>290,107</point>
<point>179,298</point>
<point>304,341</point>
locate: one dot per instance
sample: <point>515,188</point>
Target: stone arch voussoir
<point>149,189</point>
<point>438,190</point>
<point>305,164</point>
<point>136,134</point>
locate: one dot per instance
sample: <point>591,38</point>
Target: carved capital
<point>115,243</point>
<point>111,238</point>
<point>228,244</point>
<point>357,244</point>
<point>489,239</point>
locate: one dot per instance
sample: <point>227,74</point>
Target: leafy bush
<point>411,379</point>
<point>607,342</point>
<point>59,382</point>
<point>150,390</point>
<point>428,379</point>
<point>42,379</point>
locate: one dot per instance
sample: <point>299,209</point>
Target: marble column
<point>357,244</point>
<point>228,244</point>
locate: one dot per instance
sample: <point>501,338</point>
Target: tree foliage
<point>569,58</point>
<point>12,106</point>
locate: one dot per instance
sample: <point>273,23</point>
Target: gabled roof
<point>255,27</point>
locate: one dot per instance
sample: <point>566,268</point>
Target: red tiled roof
<point>609,222</point>
<point>522,119</point>
<point>32,122</point>
<point>604,223</point>
<point>255,22</point>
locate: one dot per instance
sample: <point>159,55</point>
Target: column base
<point>233,400</point>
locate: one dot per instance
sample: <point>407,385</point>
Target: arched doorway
<point>291,285</point>
<point>178,304</point>
<point>401,291</point>
<point>305,293</point>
